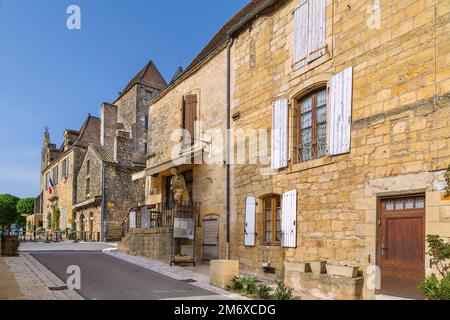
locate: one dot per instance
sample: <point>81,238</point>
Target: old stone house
<point>356,100</point>
<point>105,191</point>
<point>184,119</point>
<point>59,168</point>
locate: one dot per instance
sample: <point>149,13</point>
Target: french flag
<point>51,186</point>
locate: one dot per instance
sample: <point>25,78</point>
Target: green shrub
<point>236,284</point>
<point>437,287</point>
<point>243,284</point>
<point>283,292</point>
<point>434,289</point>
<point>262,292</point>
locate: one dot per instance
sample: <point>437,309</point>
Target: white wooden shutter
<point>301,31</point>
<point>132,221</point>
<point>341,89</point>
<point>316,36</point>
<point>289,220</point>
<point>250,217</point>
<point>280,134</point>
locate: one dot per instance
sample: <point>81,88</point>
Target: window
<point>148,95</point>
<point>312,126</point>
<point>310,17</point>
<point>88,167</point>
<point>88,186</point>
<point>272,219</point>
<point>55,175</point>
<point>145,148</point>
<point>189,118</point>
<point>146,123</point>
<point>64,169</point>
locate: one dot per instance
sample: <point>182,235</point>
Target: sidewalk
<point>65,246</point>
<point>200,280</point>
<point>24,278</point>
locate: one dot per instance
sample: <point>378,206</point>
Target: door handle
<point>383,249</point>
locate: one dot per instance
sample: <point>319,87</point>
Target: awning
<point>184,158</point>
<point>87,203</point>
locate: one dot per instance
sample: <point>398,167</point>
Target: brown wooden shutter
<point>189,115</point>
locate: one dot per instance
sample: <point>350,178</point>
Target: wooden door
<point>402,246</point>
<point>210,243</point>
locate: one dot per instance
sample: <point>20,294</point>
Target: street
<point>104,277</point>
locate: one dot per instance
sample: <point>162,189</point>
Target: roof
<point>139,159</point>
<point>89,132</point>
<point>104,153</point>
<point>222,36</point>
<point>178,72</point>
<point>148,76</point>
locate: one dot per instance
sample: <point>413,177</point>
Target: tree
<point>25,206</point>
<point>8,210</point>
<point>56,216</point>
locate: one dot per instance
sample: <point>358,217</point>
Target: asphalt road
<point>106,278</point>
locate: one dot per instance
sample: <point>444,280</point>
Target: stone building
<point>105,191</point>
<point>358,111</point>
<point>59,167</point>
<point>184,119</point>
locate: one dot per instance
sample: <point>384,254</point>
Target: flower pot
<point>342,271</point>
<point>318,267</point>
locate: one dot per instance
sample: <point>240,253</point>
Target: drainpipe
<point>230,44</point>
<point>102,206</point>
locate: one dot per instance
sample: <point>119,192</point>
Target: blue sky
<point>53,76</point>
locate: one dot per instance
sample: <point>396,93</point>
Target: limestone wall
<point>400,130</point>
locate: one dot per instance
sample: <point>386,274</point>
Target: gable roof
<point>148,76</point>
<point>89,132</point>
<point>104,153</point>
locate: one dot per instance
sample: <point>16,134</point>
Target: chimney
<point>108,126</point>
<point>123,148</point>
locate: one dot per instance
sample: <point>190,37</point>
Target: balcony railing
<point>161,215</point>
<point>312,150</point>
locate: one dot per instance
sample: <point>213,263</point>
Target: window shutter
<point>132,220</point>
<point>301,21</point>
<point>250,217</point>
<point>67,168</point>
<point>341,89</point>
<point>189,117</point>
<point>289,220</point>
<point>280,134</point>
<point>316,36</point>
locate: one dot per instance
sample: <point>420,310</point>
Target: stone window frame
<point>306,88</point>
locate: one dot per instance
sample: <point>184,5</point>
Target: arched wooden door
<point>210,239</point>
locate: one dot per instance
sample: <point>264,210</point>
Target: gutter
<point>266,4</point>
<point>228,169</point>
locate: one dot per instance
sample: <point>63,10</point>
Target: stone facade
<point>105,190</point>
<point>399,133</point>
<point>207,82</point>
<point>62,165</point>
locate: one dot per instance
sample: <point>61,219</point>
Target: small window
<point>148,95</point>
<point>88,167</point>
<point>88,186</point>
<point>189,118</point>
<point>146,123</point>
<point>312,126</point>
<point>145,148</point>
<point>272,219</point>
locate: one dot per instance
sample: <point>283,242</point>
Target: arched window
<point>272,219</point>
<point>312,125</point>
